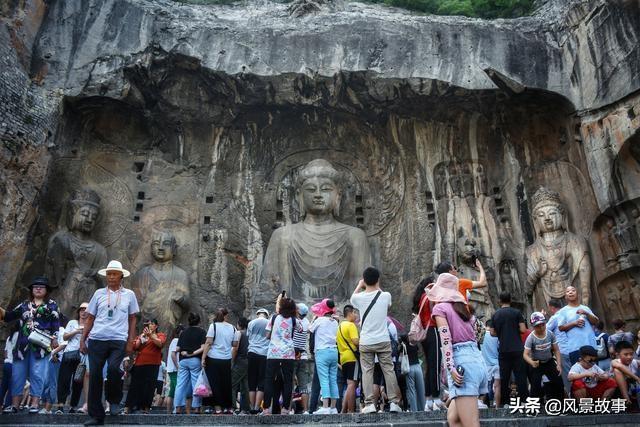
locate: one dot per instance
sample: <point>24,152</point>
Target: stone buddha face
<point>318,190</point>
<point>163,246</point>
<point>319,195</point>
<point>84,217</point>
<point>549,218</point>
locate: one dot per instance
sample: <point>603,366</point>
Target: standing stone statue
<point>162,288</point>
<point>468,252</point>
<point>73,257</point>
<point>318,257</point>
<point>558,258</point>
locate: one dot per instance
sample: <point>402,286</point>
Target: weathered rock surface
<point>194,119</point>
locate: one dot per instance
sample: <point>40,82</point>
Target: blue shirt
<point>490,349</point>
<point>561,337</point>
<point>258,342</point>
<point>111,311</point>
<point>576,336</point>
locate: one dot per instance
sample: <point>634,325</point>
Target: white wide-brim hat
<point>114,266</point>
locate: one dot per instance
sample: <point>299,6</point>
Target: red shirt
<point>149,353</point>
<point>425,314</point>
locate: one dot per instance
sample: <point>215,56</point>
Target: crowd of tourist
<point>353,359</point>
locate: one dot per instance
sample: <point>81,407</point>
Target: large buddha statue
<point>558,258</point>
<point>318,257</point>
<point>162,288</point>
<point>73,257</point>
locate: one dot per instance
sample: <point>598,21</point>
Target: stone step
<point>491,418</point>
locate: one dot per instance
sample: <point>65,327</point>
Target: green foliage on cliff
<point>473,8</point>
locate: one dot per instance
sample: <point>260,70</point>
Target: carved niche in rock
<point>459,179</point>
<point>558,258</point>
<point>319,256</point>
<point>510,281</point>
<point>73,258</point>
<point>162,288</point>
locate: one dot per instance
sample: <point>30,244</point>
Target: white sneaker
<point>435,406</point>
<point>428,405</point>
<point>394,407</point>
<point>323,411</point>
<point>44,412</point>
<point>334,411</point>
<point>481,405</point>
<point>369,409</point>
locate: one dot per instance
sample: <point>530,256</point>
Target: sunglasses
<point>82,308</point>
<point>38,287</point>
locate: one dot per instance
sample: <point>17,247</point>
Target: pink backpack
<point>417,333</point>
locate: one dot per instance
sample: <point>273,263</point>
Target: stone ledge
<point>488,418</point>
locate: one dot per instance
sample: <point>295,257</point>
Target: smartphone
<point>284,294</point>
<point>460,371</point>
<point>474,258</point>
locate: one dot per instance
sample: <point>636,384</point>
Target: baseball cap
<point>263,311</point>
<point>302,309</point>
<point>537,318</point>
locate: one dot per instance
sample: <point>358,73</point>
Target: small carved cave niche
<point>459,179</point>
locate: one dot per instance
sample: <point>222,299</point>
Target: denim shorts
<point>475,371</point>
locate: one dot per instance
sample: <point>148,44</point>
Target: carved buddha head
<point>318,188</point>
<point>467,249</point>
<point>83,210</point>
<point>548,211</point>
<point>163,245</point>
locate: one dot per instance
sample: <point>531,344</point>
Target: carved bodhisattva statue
<point>318,257</point>
<point>73,257</point>
<point>162,288</point>
<point>558,258</point>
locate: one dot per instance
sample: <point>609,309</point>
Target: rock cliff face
<point>195,118</point>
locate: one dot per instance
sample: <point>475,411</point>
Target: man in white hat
<point>110,328</point>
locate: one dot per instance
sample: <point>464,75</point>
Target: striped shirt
<point>300,339</point>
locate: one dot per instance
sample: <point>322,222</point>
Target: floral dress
<point>31,316</point>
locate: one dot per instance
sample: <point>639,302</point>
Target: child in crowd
<point>626,372</point>
<point>540,348</point>
<point>588,379</point>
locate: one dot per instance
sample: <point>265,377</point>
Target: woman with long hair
<point>190,348</point>
<point>466,370</point>
<point>281,355</point>
<point>430,345</point>
<point>216,360</point>
<point>144,372</point>
<point>70,361</point>
<point>38,316</point>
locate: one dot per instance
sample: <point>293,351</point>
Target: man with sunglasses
<point>588,379</point>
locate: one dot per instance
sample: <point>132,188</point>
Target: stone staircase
<point>489,417</point>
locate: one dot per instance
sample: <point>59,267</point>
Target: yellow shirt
<point>350,331</point>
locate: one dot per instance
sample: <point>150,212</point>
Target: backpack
<point>601,347</point>
<point>394,343</point>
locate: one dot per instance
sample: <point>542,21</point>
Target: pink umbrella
<point>399,326</point>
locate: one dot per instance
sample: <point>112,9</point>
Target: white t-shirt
<point>171,367</point>
<point>73,343</point>
<point>374,329</point>
<point>588,381</point>
<point>326,330</point>
<point>112,311</point>
<point>8,347</point>
<point>225,335</point>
